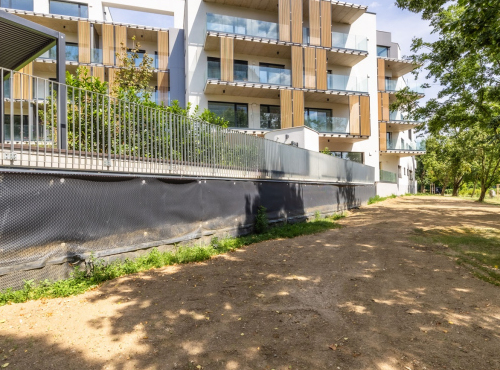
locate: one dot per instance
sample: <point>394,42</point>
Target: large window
<point>17,4</point>
<point>213,68</point>
<point>350,156</point>
<point>318,119</point>
<point>240,70</point>
<point>235,113</point>
<point>70,9</point>
<point>382,51</point>
<point>25,135</point>
<point>270,116</point>
<point>273,74</point>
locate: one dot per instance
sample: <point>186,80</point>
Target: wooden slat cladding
<point>227,59</point>
<point>297,67</point>
<point>354,115</point>
<point>314,23</point>
<point>326,24</point>
<point>385,106</point>
<point>321,82</point>
<point>163,87</point>
<point>310,68</point>
<point>111,79</point>
<point>22,83</point>
<point>286,108</point>
<point>163,52</point>
<point>120,42</point>
<point>379,96</point>
<point>284,20</point>
<point>298,108</point>
<point>383,135</point>
<point>297,16</point>
<point>108,45</point>
<point>381,74</point>
<point>98,72</point>
<point>84,42</point>
<point>364,104</point>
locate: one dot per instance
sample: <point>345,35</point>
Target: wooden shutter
<point>227,59</point>
<point>364,104</point>
<point>23,83</point>
<point>298,108</point>
<point>284,20</point>
<point>111,78</point>
<point>326,24</point>
<point>163,87</point>
<point>379,95</point>
<point>383,136</point>
<point>321,83</point>
<point>297,21</point>
<point>163,50</point>
<point>98,72</point>
<point>84,42</point>
<point>310,68</point>
<point>314,23</point>
<point>297,67</point>
<point>286,108</point>
<point>354,115</point>
<point>385,106</point>
<point>120,42</point>
<point>381,74</point>
<point>108,47</point>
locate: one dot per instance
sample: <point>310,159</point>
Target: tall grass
<point>97,271</point>
<point>378,198</point>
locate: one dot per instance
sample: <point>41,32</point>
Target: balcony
<point>337,125</point>
<point>403,148</point>
<point>342,40</point>
<point>347,83</point>
<point>397,85</point>
<point>71,53</point>
<point>242,26</point>
<point>386,176</point>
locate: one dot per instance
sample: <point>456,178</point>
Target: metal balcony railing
<point>79,130</point>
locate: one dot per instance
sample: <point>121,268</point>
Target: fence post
<point>62,115</point>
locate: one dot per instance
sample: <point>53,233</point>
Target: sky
<point>403,24</point>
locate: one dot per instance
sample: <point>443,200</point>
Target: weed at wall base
<point>98,271</point>
<point>378,198</point>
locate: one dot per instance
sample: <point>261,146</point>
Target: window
<point>350,156</point>
<point>70,9</point>
<point>273,74</point>
<point>17,128</point>
<point>17,4</point>
<point>240,70</point>
<point>318,119</point>
<point>409,135</point>
<point>399,172</point>
<point>213,68</point>
<point>383,51</point>
<point>410,174</point>
<point>270,116</point>
<point>389,140</point>
<point>235,113</point>
<point>404,171</point>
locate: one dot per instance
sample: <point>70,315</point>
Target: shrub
<point>261,221</point>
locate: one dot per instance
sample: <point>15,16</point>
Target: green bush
<point>261,221</point>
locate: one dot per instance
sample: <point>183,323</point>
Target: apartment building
<point>266,66</point>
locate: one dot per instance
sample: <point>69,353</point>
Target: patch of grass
<point>478,249</point>
<point>378,198</point>
<point>98,271</point>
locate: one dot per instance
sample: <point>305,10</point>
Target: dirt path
<point>365,290</point>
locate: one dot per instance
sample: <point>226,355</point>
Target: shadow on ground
<point>360,297</point>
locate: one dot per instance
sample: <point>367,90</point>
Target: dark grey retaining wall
<point>50,221</point>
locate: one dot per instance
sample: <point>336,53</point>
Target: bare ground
<point>361,297</point>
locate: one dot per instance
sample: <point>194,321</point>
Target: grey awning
<point>23,40</point>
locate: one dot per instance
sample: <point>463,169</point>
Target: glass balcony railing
<point>338,125</point>
<point>349,41</point>
<point>387,176</point>
<point>96,56</point>
<point>270,121</point>
<point>257,74</point>
<point>71,53</point>
<point>347,83</point>
<point>403,145</point>
<point>399,84</point>
<point>140,59</point>
<point>242,26</point>
<point>400,116</point>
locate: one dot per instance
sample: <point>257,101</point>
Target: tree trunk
<point>483,193</point>
<point>443,190</point>
<point>455,190</point>
<point>474,190</point>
